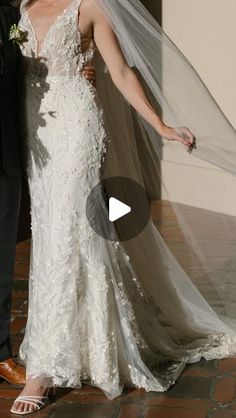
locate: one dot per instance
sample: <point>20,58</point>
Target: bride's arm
<point>125,78</point>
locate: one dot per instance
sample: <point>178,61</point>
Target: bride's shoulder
<point>87,4</point>
<point>91,7</point>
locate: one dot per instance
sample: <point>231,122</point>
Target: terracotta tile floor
<point>205,390</point>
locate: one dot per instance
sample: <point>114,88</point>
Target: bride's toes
<point>31,399</point>
<point>17,406</point>
<point>31,408</point>
<point>21,407</point>
<point>27,407</point>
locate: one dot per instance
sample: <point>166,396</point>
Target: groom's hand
<point>89,73</point>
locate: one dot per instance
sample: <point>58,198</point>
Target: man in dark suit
<point>10,186</point>
<point>10,181</point>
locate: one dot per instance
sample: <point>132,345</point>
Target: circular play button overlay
<point>118,208</point>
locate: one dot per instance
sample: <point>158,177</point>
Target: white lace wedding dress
<point>99,311</point>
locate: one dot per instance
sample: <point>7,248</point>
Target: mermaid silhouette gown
<point>99,312</point>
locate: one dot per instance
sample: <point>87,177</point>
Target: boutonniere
<point>17,35</point>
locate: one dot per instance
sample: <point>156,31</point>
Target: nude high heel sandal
<point>36,401</point>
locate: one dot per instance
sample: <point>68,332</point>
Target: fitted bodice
<point>62,52</point>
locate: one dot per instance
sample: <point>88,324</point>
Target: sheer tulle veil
<point>184,266</point>
<point>204,235</point>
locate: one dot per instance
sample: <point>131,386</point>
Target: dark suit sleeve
<point>2,38</point>
<point>9,110</point>
<point>8,16</point>
<point>1,61</point>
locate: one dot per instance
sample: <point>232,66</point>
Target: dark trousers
<point>10,193</point>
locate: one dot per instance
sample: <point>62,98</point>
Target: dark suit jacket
<point>9,111</point>
<point>10,141</point>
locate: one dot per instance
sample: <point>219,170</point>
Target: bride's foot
<point>35,393</point>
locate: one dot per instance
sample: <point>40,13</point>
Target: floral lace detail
<point>61,52</point>
<point>91,317</point>
<point>66,143</point>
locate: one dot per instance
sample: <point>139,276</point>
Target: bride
<point>101,312</point>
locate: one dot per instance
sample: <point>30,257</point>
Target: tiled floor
<point>205,390</point>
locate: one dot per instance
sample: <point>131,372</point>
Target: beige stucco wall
<point>205,31</point>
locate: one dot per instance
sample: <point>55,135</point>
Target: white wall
<point>205,31</point>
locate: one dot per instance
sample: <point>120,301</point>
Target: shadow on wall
<point>151,166</point>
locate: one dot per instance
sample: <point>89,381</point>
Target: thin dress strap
<point>23,5</point>
<point>77,4</point>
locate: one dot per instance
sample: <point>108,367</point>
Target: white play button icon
<point>117,209</point>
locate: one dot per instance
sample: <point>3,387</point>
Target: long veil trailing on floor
<point>173,289</point>
<point>190,274</point>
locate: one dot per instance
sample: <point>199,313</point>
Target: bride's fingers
<point>89,77</point>
<point>185,142</point>
<point>86,73</point>
<point>187,134</point>
<point>186,137</point>
<point>90,72</point>
<point>181,137</point>
<point>89,68</point>
<point>191,137</point>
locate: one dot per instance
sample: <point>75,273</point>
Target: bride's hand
<point>182,135</point>
<point>89,72</point>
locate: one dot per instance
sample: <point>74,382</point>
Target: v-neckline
<point>38,51</point>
